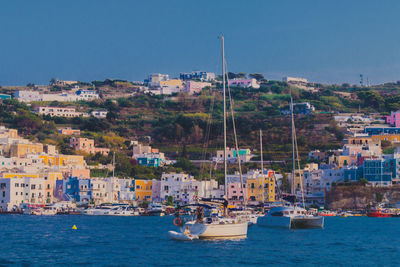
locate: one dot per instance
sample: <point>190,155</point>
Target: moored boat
<point>379,213</point>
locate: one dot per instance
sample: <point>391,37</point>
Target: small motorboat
<point>181,236</point>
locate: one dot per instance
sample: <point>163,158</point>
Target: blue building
<point>150,161</point>
<point>77,189</point>
<point>353,173</point>
<point>381,171</point>
<point>381,130</point>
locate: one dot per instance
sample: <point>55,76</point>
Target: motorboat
<point>123,210</point>
<point>326,213</point>
<point>99,210</point>
<point>156,209</point>
<point>291,217</point>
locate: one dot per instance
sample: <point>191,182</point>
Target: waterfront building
<point>143,190</point>
<point>17,191</point>
<point>78,190</point>
<point>184,188</point>
<point>156,190</point>
<point>245,83</point>
<point>236,191</point>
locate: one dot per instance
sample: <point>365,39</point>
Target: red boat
<point>378,213</point>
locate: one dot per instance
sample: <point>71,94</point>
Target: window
<point>4,193</point>
<point>33,186</point>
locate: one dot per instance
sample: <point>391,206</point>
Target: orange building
<point>393,138</point>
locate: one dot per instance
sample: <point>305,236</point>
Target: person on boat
<point>187,231</point>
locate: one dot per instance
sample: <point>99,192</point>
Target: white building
<point>17,191</point>
<point>27,96</point>
<point>112,190</point>
<point>154,79</point>
<point>60,112</point>
<point>86,95</point>
<point>245,83</point>
<point>295,80</point>
<point>184,188</point>
<point>100,114</point>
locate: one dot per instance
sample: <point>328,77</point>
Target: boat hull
<point>219,231</point>
<point>274,221</point>
<point>307,222</point>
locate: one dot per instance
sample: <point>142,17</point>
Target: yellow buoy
<point>74,227</point>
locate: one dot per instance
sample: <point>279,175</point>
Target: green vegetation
<point>178,125</point>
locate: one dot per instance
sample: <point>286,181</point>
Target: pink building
<point>87,145</point>
<point>236,193</point>
<point>193,87</point>
<point>394,118</point>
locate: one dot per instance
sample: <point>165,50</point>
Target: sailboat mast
<point>293,158</point>
<point>113,164</point>
<point>224,95</point>
<point>262,169</point>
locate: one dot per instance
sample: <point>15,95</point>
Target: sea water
<point>131,241</point>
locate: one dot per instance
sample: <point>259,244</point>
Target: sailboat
<point>290,215</point>
<point>215,227</point>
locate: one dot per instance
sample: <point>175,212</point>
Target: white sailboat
<point>214,227</point>
<point>289,215</point>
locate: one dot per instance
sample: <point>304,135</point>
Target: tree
<point>257,76</point>
<point>53,81</point>
<point>170,201</point>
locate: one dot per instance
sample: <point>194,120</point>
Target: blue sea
<point>132,241</point>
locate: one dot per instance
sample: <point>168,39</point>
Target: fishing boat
<point>217,227</point>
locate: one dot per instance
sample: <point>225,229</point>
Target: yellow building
<point>63,160</point>
<point>20,175</point>
<point>144,190</point>
<point>171,83</point>
<point>20,150</point>
<point>261,188</point>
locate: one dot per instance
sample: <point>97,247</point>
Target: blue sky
<point>324,41</point>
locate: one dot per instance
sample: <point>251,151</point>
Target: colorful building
<point>144,190</point>
<point>394,119</point>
